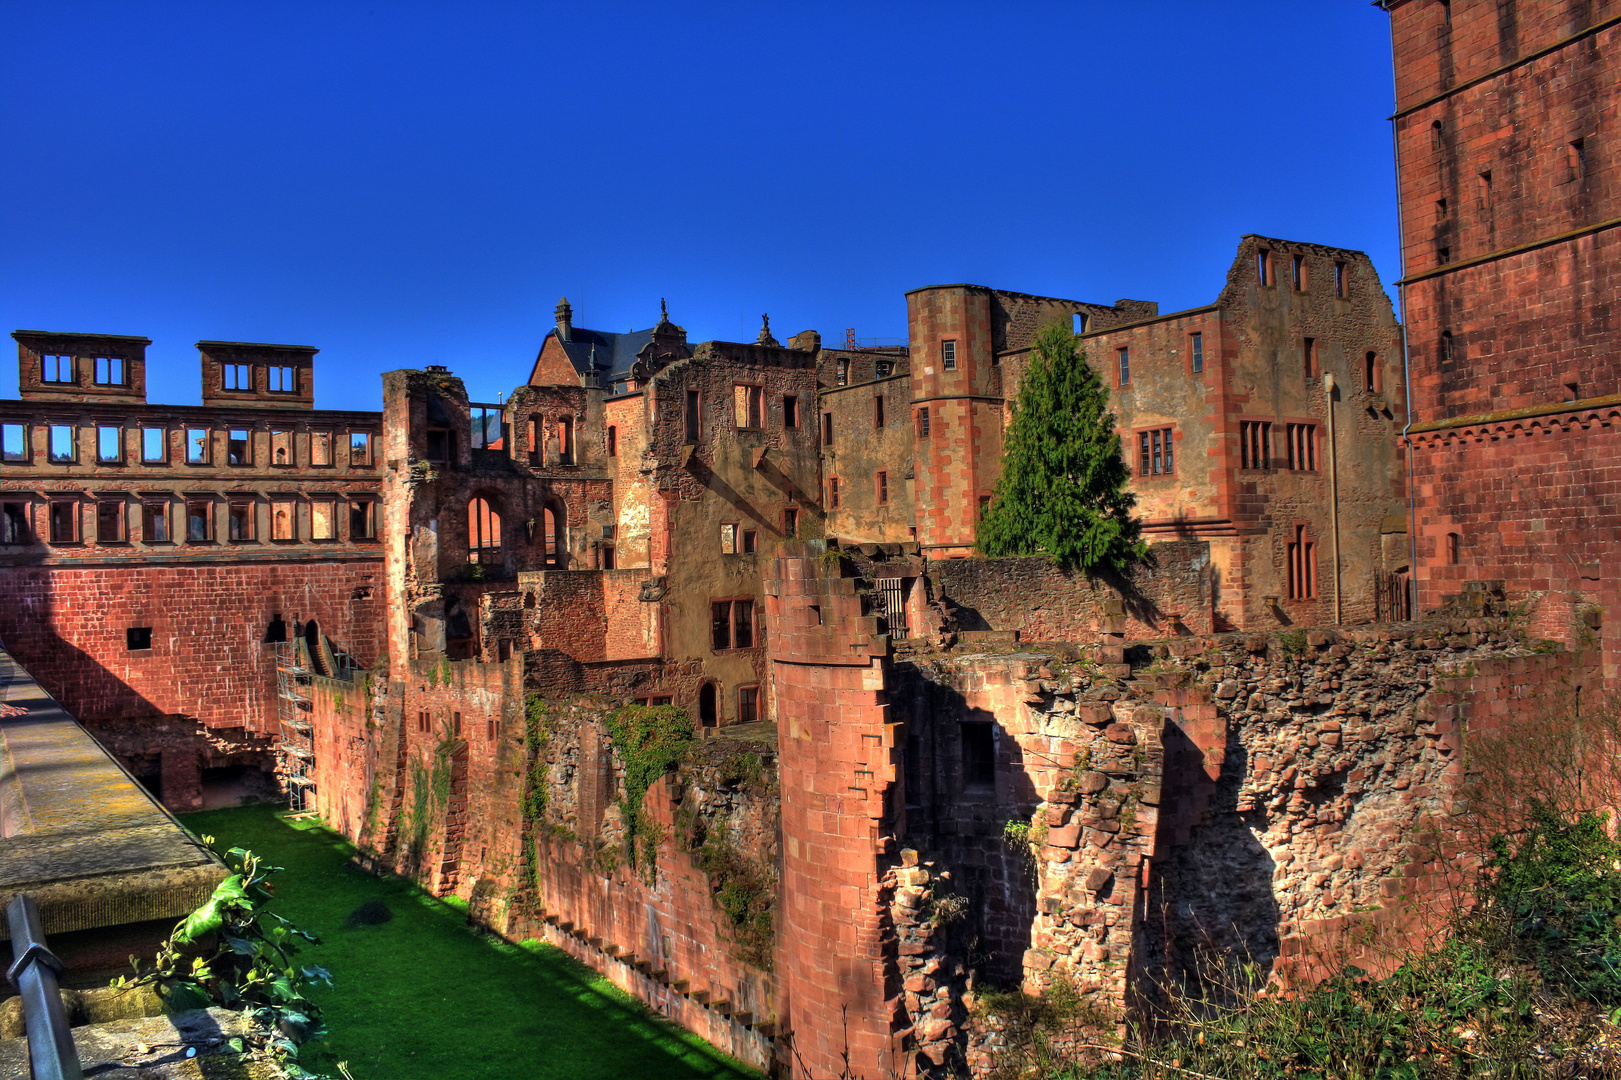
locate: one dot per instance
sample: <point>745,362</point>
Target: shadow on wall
<point>1212,862</point>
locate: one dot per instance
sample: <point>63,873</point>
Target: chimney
<point>565,320</point>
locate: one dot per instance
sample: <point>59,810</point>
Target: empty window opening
<point>728,538</point>
<point>110,521</point>
<point>731,624</point>
<point>1299,271</point>
<point>1196,352</point>
<point>64,521</point>
<point>565,440</point>
<point>320,448</point>
<point>1443,255</point>
<point>1437,136</point>
<point>1454,541</point>
<point>1123,366</point>
<point>1302,439</point>
<point>1155,455</point>
<point>13,442</point>
<point>438,445</point>
<point>978,756</point>
<point>109,371</point>
<point>197,446</point>
<point>833,493</point>
<point>1370,373</point>
<point>1339,280</point>
<point>707,716</point>
<point>841,376</point>
<point>360,448</point>
<point>748,406</point>
<point>790,410</point>
<point>138,638</point>
<point>62,444</point>
<point>1255,444</point>
<point>282,380</point>
<point>1486,189</point>
<point>492,728</point>
<point>284,519</point>
<point>948,355</point>
<point>694,416</point>
<point>281,447</point>
<point>883,488</point>
<point>1263,266</point>
<point>1302,555</point>
<point>878,411</point>
<point>199,520</point>
<point>556,553</point>
<point>751,541</point>
<point>827,429</point>
<point>110,445</point>
<point>1308,357</point>
<point>1447,354</point>
<point>484,427</point>
<point>790,523</point>
<point>984,504</point>
<point>1078,323</point>
<point>483,532</point>
<point>1575,162</point>
<point>455,725</point>
<point>240,522</point>
<point>155,522</point>
<point>238,377</point>
<point>323,519</point>
<point>277,630</point>
<point>1440,211</point>
<point>154,446</point>
<point>613,441</point>
<point>237,447</point>
<point>923,423</point>
<point>605,558</point>
<point>883,369</point>
<point>748,704</point>
<point>362,519</point>
<point>815,614</point>
<point>13,523</point>
<point>55,368</point>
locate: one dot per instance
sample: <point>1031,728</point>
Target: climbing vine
<point>430,791</point>
<point>536,737</point>
<point>651,740</point>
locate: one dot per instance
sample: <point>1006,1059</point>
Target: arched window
<point>555,539</point>
<point>707,716</point>
<point>483,532</point>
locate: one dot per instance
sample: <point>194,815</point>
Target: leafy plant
<point>745,892</point>
<point>234,953</point>
<point>651,740</point>
<point>1063,487</point>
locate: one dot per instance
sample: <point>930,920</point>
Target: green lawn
<point>424,996</point>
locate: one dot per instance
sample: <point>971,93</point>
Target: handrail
<point>51,1053</point>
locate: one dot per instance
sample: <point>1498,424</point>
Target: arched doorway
<point>483,532</point>
<point>312,642</point>
<point>708,715</point>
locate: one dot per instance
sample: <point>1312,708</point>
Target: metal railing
<point>33,971</point>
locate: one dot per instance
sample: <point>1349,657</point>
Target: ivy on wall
<point>651,740</point>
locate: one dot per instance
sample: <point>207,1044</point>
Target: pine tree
<point>1063,488</point>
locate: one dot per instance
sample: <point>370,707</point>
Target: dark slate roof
<point>614,352</point>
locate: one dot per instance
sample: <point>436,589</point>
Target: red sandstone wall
<point>207,659</point>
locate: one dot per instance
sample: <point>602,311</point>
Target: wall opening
<point>707,716</point>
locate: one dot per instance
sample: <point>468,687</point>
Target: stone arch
<point>554,535</point>
<point>484,529</point>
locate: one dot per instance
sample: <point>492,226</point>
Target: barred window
<point>1302,440</point>
<point>1255,444</point>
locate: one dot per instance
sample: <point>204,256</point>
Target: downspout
<point>1406,362</point>
<point>1333,492</point>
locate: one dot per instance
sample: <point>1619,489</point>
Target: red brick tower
<point>1505,139</point>
<point>840,802</point>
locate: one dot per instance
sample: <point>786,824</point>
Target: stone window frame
<point>1265,268</point>
<point>25,456</point>
<point>162,444</point>
<point>291,434</point>
<point>52,362</point>
<point>315,440</point>
<point>1310,358</point>
<point>118,505</point>
<point>119,449</point>
<point>204,452</point>
<point>833,494</point>
<point>330,501</point>
<point>731,624</point>
<point>210,526</point>
<point>1300,554</point>
<point>1156,442</point>
<point>878,417</point>
<point>748,406</point>
<point>791,412</point>
<point>233,373</point>
<point>111,365</point>
<point>16,519</point>
<point>880,487</point>
<point>64,510</point>
<point>156,507</point>
<point>72,456</point>
<point>1302,443</point>
<point>1195,347</point>
<point>1299,272</point>
<point>948,354</point>
<point>367,506</point>
<point>249,504</point>
<point>747,697</point>
<point>290,500</point>
<point>1342,280</point>
<point>1122,366</point>
<point>737,537</point>
<point>1256,452</point>
<point>286,374</point>
<point>247,447</point>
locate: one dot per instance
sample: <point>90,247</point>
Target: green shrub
<point>651,740</point>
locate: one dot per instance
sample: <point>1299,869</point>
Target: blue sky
<point>408,184</point>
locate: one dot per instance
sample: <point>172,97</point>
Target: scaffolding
<point>295,742</point>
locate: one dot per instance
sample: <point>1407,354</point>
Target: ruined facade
<point>148,552</point>
<point>1504,121</point>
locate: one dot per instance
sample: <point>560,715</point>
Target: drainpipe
<point>1333,492</point>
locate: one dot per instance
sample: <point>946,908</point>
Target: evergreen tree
<point>1063,488</point>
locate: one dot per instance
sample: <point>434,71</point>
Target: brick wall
<point>1044,603</point>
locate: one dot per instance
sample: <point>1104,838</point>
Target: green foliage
<point>233,953</point>
<point>1016,833</point>
<point>744,891</point>
<point>1561,890</point>
<point>1293,642</point>
<point>430,792</point>
<point>651,740</point>
<point>1063,488</point>
<point>444,671</point>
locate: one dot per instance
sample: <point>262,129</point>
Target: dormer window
<point>55,368</point>
<point>282,379</point>
<point>109,371</point>
<point>238,377</point>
